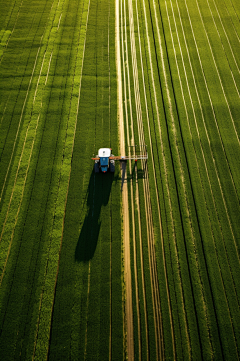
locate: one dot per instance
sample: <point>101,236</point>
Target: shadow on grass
<point>98,193</point>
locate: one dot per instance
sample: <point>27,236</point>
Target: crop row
<point>87,315</point>
<point>40,176</point>
<point>17,66</point>
<point>220,212</point>
<point>196,184</point>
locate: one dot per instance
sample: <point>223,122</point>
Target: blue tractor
<point>104,161</point>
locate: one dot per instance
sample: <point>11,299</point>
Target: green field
<point>62,261</point>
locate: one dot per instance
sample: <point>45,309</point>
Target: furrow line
<point>220,80</point>
<point>219,17</point>
<point>66,197</point>
<point>12,29</point>
<point>16,218</point>
<point>111,217</point>
<point>30,125</point>
<point>213,237</point>
<point>199,137</point>
<point>156,188</point>
<point>152,256</point>
<point>167,184</point>
<point>23,108</point>
<point>217,127</point>
<point>186,111</point>
<point>125,213</point>
<point>235,30</point>
<point>131,142</point>
<point>235,10</point>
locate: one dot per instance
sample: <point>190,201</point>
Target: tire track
<point>128,102</point>
<point>126,240</point>
<point>111,226</point>
<point>167,185</point>
<point>148,208</point>
<point>156,188</point>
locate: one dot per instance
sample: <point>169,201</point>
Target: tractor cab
<point>102,162</point>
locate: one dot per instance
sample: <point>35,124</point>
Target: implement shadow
<point>125,177</point>
<point>98,193</point>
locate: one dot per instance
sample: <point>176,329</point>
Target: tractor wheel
<point>112,167</point>
<point>96,168</point>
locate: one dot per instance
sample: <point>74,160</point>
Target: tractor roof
<point>104,152</point>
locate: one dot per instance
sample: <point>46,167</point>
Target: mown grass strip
<point>87,256</point>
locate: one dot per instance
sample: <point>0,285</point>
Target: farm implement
<point>105,160</point>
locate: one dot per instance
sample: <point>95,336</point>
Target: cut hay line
<point>16,218</point>
<point>4,112</point>
<point>49,38</point>
<point>19,123</point>
<point>12,29</point>
<point>48,68</point>
<point>167,183</point>
<point>21,156</point>
<point>41,305</point>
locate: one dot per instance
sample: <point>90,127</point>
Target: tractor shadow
<point>97,196</point>
<point>98,193</point>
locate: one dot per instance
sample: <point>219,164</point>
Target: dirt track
<point>127,268</point>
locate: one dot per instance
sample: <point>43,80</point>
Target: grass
<point>60,243</point>
<point>41,115</point>
<point>199,212</point>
